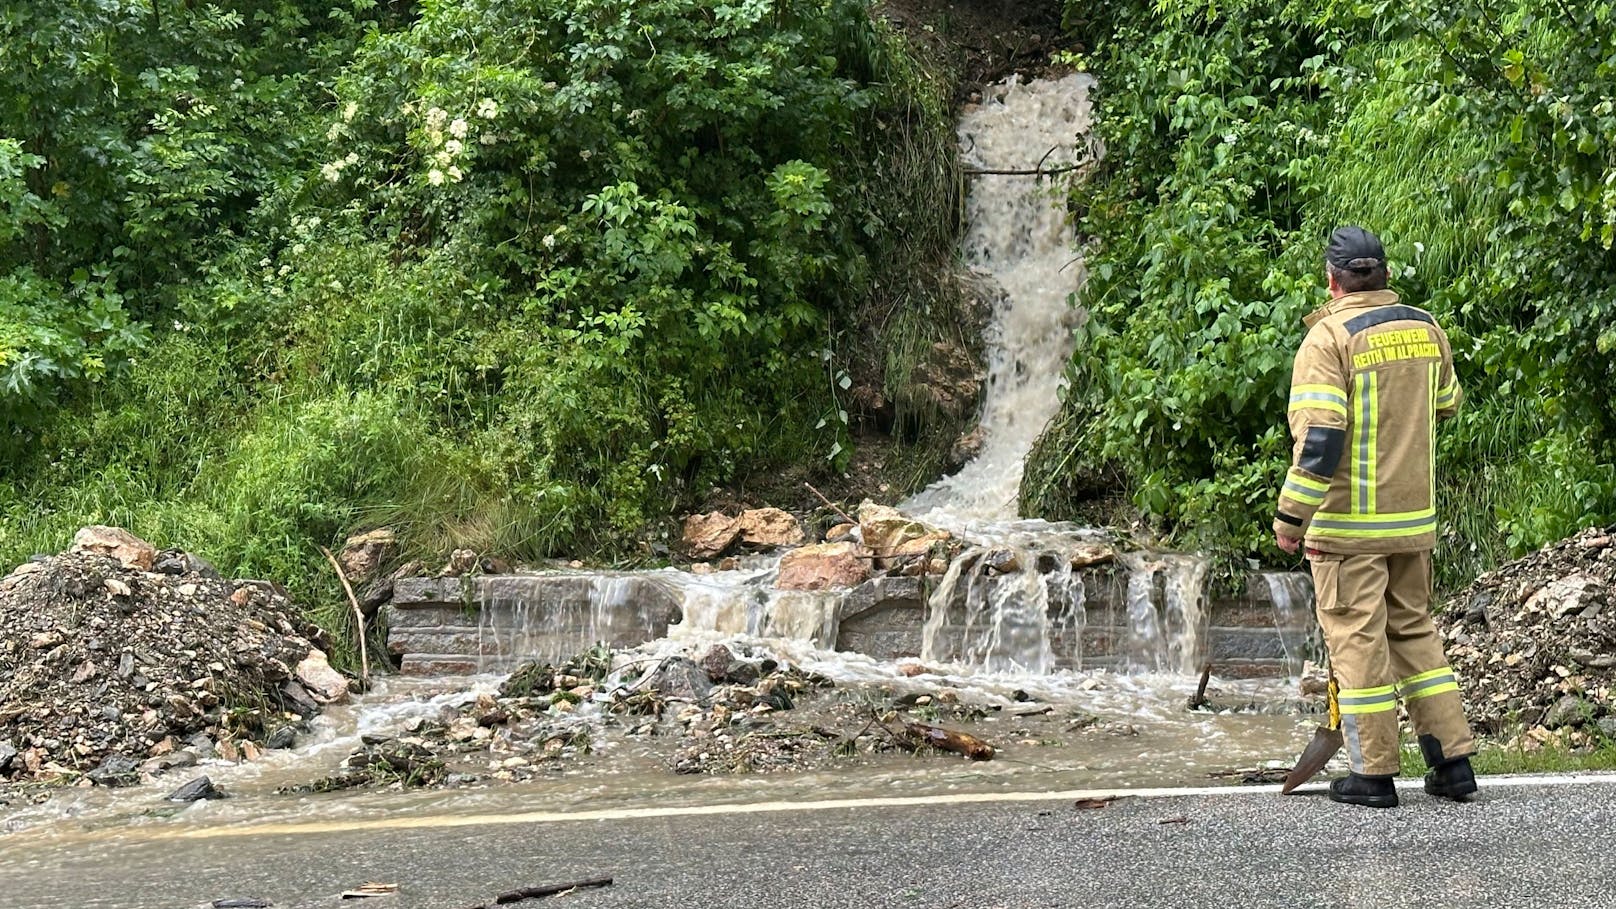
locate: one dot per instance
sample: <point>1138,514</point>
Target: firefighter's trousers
<point>1375,613</point>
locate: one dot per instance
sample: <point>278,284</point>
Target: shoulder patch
<point>1393,313</point>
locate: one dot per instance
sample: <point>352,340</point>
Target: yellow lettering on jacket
<point>1403,344</point>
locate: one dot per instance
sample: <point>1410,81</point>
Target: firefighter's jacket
<point>1371,380</point>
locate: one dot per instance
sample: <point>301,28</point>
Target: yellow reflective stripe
<point>1376,707</point>
<point>1443,688</point>
<point>1425,676</point>
<point>1302,495</point>
<point>1355,471</point>
<point>1317,402</point>
<point>1334,391</point>
<point>1374,428</point>
<point>1371,533</point>
<point>1400,517</point>
<point>1306,482</point>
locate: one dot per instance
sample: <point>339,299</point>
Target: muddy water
<point>1053,732</point>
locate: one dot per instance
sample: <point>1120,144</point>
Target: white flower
<point>348,111</point>
<point>454,173</point>
<point>488,138</point>
<point>335,132</point>
<point>352,158</point>
<point>284,270</point>
<point>442,159</point>
<point>586,154</point>
<point>436,117</point>
<point>178,325</point>
<point>453,147</point>
<point>434,177</point>
<point>297,249</point>
<point>549,241</point>
<point>487,108</point>
<point>264,262</point>
<point>331,171</point>
<point>458,128</point>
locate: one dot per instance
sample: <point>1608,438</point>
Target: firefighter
<point>1370,382</point>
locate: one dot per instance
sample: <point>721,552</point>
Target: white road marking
<point>974,798</point>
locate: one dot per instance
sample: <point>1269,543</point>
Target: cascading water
<point>1018,233</point>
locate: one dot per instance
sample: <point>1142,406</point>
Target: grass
<point>1496,758</point>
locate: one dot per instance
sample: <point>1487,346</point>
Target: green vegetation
<point>1478,137</point>
<point>523,276</point>
<point>1513,757</point>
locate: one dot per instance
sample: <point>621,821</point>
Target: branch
<point>359,615</point>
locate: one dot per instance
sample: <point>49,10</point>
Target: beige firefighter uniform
<point>1371,380</point>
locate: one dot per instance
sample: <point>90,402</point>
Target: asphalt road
<point>1538,845</point>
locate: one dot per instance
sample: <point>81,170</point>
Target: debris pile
<point>1534,642</point>
<point>721,712</point>
<point>117,660</point>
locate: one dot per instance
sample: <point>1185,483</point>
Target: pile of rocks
<point>117,660</point>
<point>881,539</point>
<point>1534,642</point>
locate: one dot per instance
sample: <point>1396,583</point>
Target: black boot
<point>1452,780</point>
<point>1369,791</point>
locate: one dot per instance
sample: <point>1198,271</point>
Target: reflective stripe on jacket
<point>1371,380</point>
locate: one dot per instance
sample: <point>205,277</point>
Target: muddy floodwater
<point>1051,733</point>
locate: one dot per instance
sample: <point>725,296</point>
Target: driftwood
<point>949,740</point>
<point>529,893</point>
<point>833,506</point>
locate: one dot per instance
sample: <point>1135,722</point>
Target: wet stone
<point>196,790</point>
<point>115,770</point>
<point>283,737</point>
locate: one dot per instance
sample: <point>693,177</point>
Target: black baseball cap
<point>1354,249</point>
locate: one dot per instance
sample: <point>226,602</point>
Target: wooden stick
<point>1200,690</point>
<point>844,515</point>
<point>359,615</point>
<point>528,893</point>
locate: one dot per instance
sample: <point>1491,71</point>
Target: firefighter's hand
<point>1289,544</point>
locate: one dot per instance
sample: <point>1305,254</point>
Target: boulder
<point>823,566</point>
<point>363,555</point>
<point>840,533</point>
<point>682,679</point>
<point>326,684</point>
<point>130,551</point>
<point>708,536</point>
<point>115,770</point>
<point>894,538</point>
<point>1092,554</point>
<point>8,751</point>
<point>767,528</point>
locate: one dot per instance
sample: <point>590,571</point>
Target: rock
<point>910,670</point>
<point>375,596</point>
<point>130,551</point>
<point>893,538</point>
<point>299,700</point>
<point>363,555</point>
<point>823,566</point>
<point>283,737</point>
<point>769,528</point>
<point>8,752</point>
<point>723,668</point>
<point>115,770</point>
<point>1002,561</point>
<point>1605,724</point>
<point>1092,554</point>
<point>325,684</point>
<point>708,536</point>
<point>1563,596</point>
<point>1567,711</point>
<point>966,447</point>
<point>840,533</point>
<point>461,562</point>
<point>177,760</point>
<point>678,678</point>
<point>196,790</point>
<point>178,564</point>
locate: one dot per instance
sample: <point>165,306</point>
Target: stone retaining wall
<point>490,623</point>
